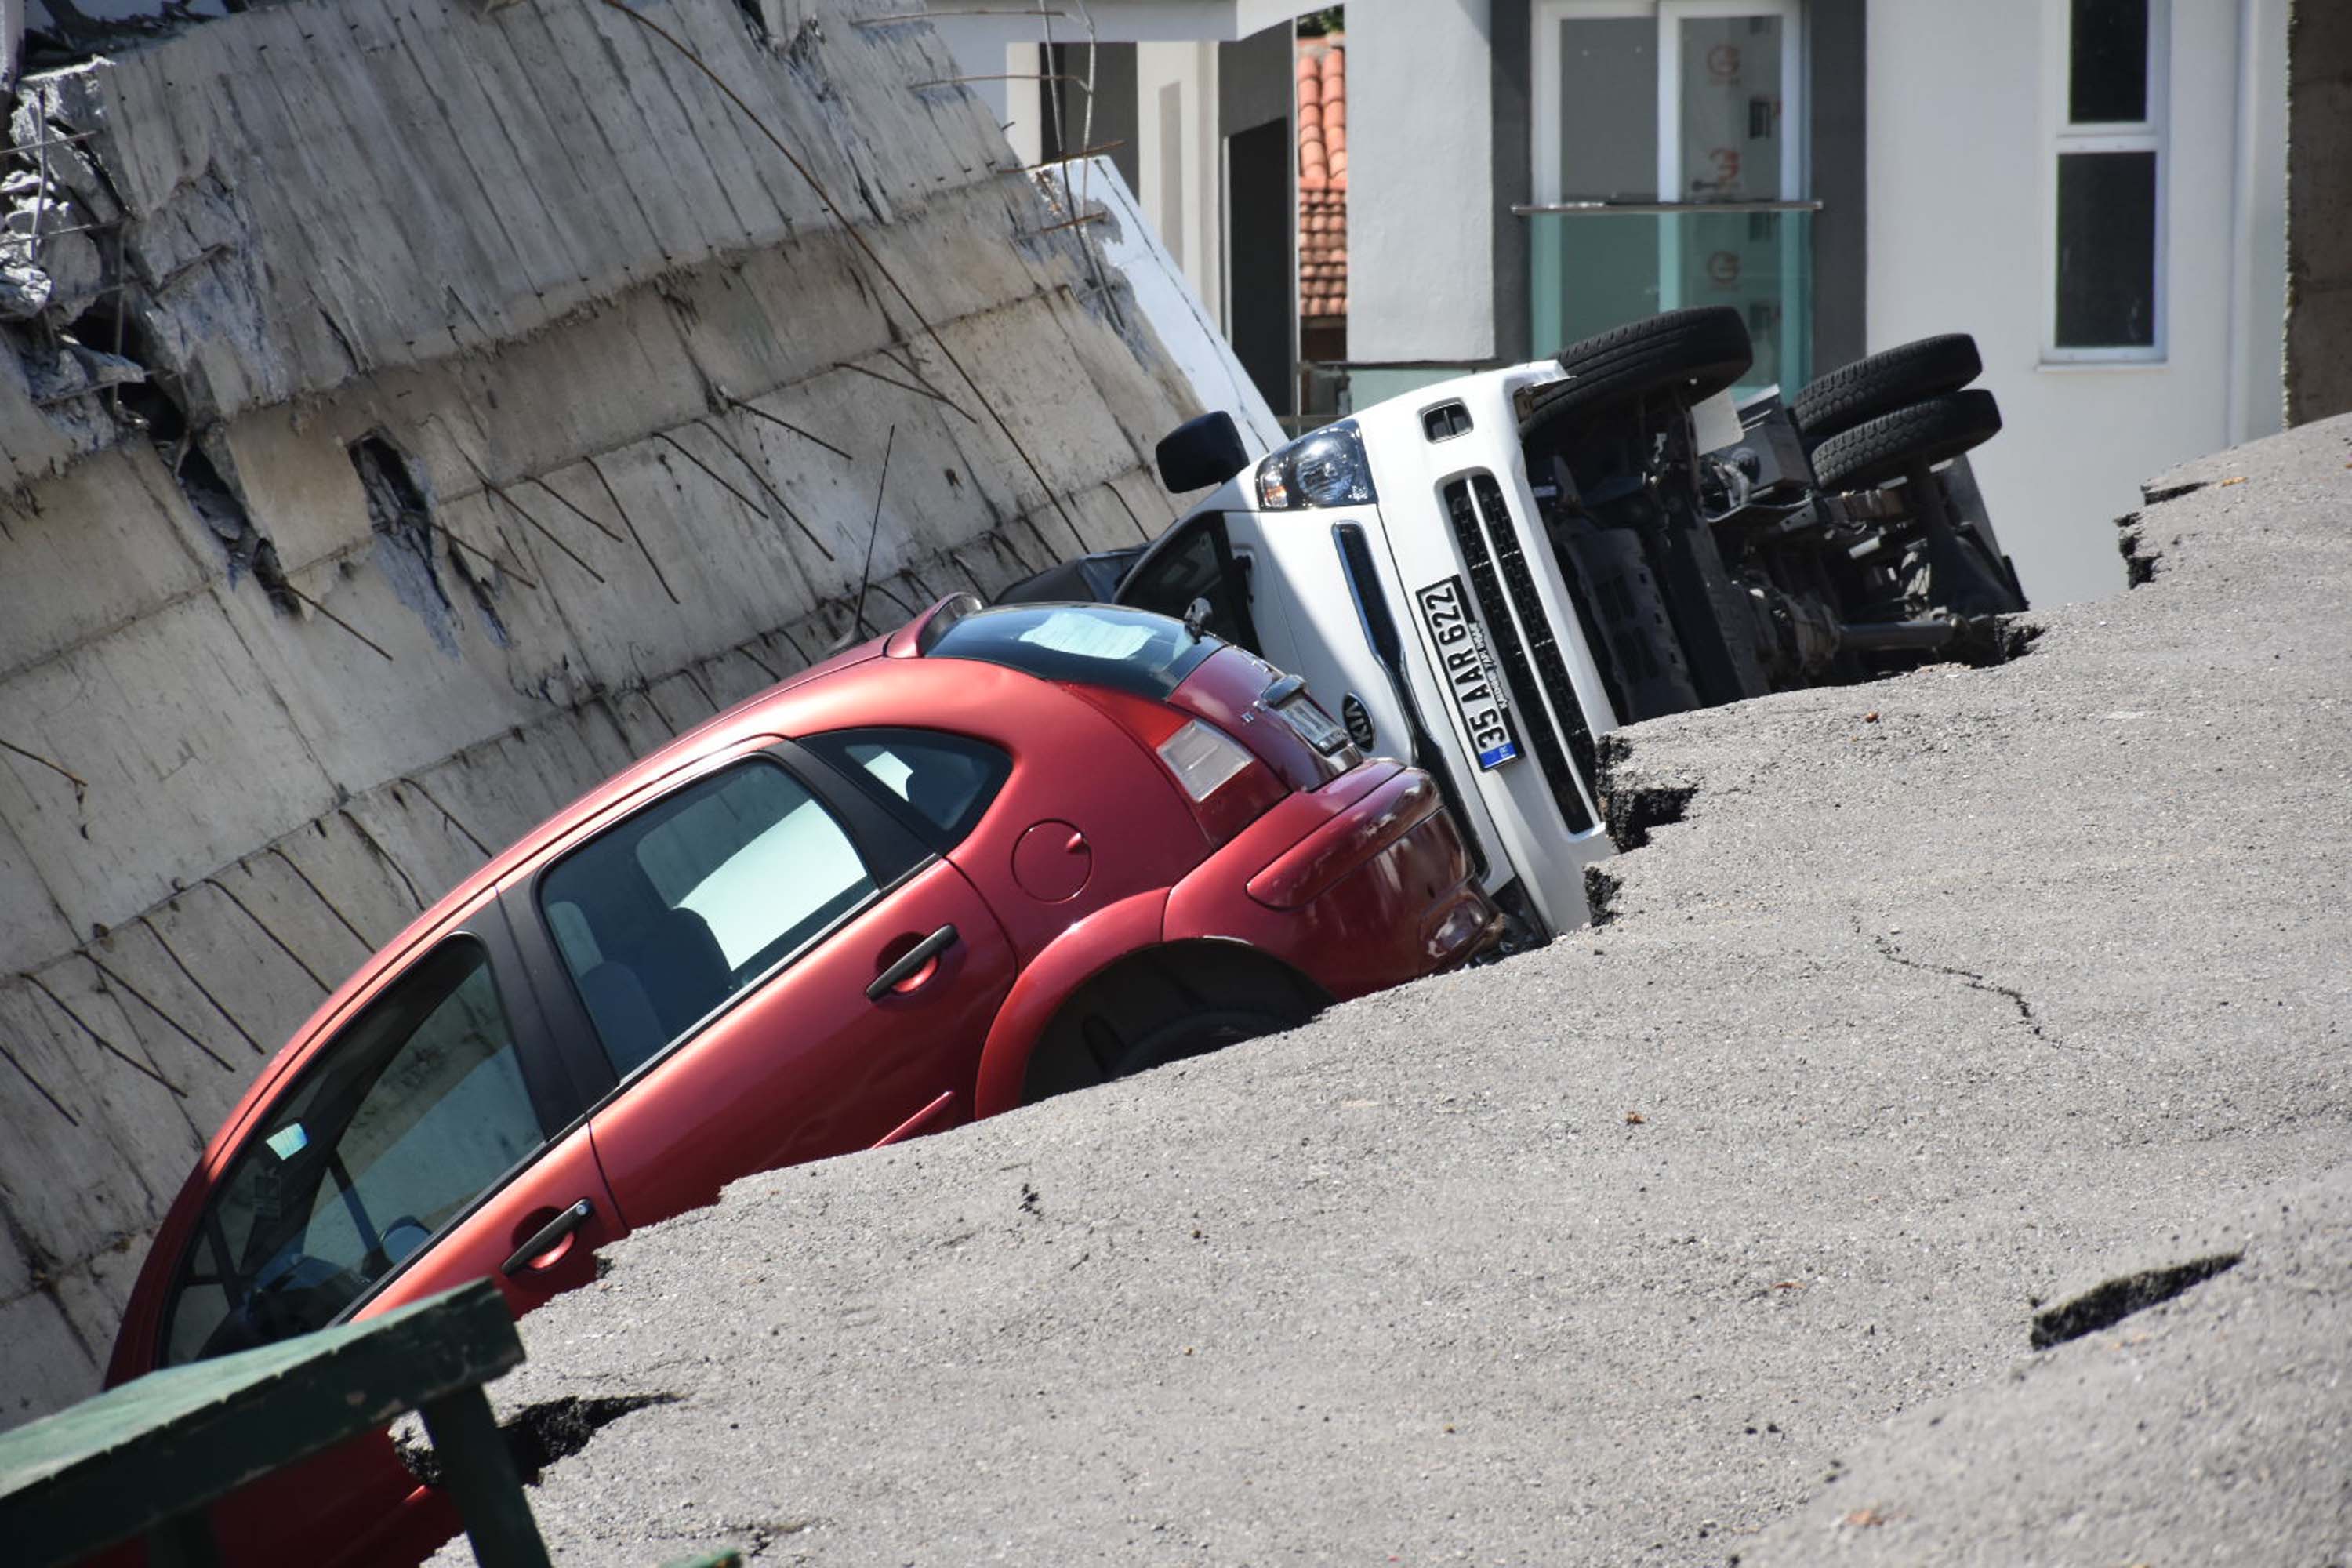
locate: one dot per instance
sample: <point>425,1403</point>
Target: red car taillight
<point>1227,785</point>
<point>1271,713</point>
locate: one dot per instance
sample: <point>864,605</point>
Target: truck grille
<point>1532,666</point>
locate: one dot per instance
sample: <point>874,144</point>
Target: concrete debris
<point>406,549</point>
<point>67,369</point>
<point>25,289</point>
<point>59,32</point>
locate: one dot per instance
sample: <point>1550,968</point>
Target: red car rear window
<point>1093,645</point>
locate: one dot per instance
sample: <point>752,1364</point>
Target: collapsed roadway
<point>1938,1153</point>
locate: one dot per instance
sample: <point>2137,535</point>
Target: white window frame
<point>1795,85</point>
<point>1549,15</point>
<point>1794,175</point>
<point>2108,136</point>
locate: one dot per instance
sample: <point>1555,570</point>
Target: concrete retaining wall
<point>493,401</point>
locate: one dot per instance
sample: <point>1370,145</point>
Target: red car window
<point>664,918</point>
<point>1093,645</point>
<point>397,1125</point>
<point>942,784</point>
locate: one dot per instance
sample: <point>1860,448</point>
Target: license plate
<point>1469,672</point>
<point>1311,724</point>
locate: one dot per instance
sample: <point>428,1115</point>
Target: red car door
<point>358,1503</point>
<point>771,966</point>
<point>408,1152</point>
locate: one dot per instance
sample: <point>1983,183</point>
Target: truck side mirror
<point>1200,453</point>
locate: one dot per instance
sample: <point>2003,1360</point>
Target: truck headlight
<point>1324,468</point>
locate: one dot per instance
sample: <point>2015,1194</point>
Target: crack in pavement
<point>1970,978</point>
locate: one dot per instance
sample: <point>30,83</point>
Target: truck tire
<point>1879,450</point>
<point>1887,381</point>
<point>1689,355</point>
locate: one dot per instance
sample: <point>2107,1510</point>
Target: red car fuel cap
<point>1052,861</point>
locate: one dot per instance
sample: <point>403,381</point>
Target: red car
<point>997,855</point>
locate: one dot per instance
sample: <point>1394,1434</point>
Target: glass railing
<point>1594,266</point>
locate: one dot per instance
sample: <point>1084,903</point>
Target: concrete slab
<point>1933,999</point>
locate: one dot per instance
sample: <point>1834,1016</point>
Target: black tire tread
<point>1879,450</point>
<point>1884,382</point>
<point>1693,353</point>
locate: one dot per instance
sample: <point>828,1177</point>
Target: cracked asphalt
<point>1714,1234</point>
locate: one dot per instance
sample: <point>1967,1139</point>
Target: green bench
<point>145,1458</point>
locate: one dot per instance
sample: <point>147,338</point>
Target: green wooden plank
<point>115,1466</point>
<point>478,1474</point>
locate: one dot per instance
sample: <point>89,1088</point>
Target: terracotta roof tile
<point>1322,79</point>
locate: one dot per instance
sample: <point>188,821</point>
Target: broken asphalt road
<point>1947,1000</point>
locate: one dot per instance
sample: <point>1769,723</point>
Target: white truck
<point>1484,576</point>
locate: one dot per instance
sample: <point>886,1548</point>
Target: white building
<point>2093,188</point>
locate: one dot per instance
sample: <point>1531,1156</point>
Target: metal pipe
<point>1884,635</point>
<point>890,17</point>
<point>1002,76</point>
<point>1066,158</point>
<point>1605,209</point>
<point>48,141</point>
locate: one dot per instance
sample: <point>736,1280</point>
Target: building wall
<point>1422,192</point>
<point>1179,156</point>
<point>461,515</point>
<point>1963,101</point>
<point>1172,101</point>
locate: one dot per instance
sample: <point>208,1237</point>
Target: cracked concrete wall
<point>493,402</point>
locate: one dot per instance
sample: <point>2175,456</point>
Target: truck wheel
<point>1879,450</point>
<point>1688,354</point>
<point>1887,381</point>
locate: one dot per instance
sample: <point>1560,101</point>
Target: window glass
<point>2107,63</point>
<point>2106,249</point>
<point>1608,141</point>
<point>1609,109</point>
<point>1097,644</point>
<point>665,917</point>
<point>406,1117</point>
<point>1197,564</point>
<point>947,781</point>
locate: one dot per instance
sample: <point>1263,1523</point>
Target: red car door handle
<point>543,1240</point>
<point>911,963</point>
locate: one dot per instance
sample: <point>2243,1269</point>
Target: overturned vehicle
<point>1484,575</point>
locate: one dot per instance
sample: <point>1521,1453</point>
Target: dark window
<point>944,782</point>
<point>2107,63</point>
<point>1094,644</point>
<point>1196,562</point>
<point>2106,249</point>
<point>404,1119</point>
<point>664,918</point>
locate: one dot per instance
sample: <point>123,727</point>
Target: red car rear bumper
<point>1360,885</point>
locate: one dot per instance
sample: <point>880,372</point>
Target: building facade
<point>2095,189</point>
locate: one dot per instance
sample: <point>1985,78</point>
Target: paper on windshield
<point>1083,636</point>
